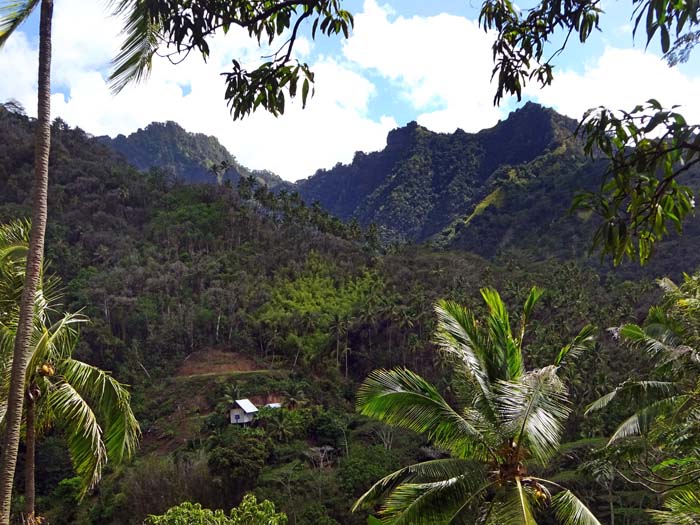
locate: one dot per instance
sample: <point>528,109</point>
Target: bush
<point>249,512</point>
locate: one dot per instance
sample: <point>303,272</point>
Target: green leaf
<point>134,61</point>
<point>534,409</point>
<point>12,15</point>
<point>583,341</point>
<point>571,511</point>
<point>402,398</point>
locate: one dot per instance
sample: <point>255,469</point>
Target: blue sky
<point>406,60</point>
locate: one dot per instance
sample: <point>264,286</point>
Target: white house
<point>242,411</point>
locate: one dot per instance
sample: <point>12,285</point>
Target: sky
<point>405,60</point>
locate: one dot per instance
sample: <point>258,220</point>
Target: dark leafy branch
<point>181,26</point>
<point>523,37</point>
<point>649,149</point>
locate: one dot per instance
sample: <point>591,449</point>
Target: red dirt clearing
<point>213,361</point>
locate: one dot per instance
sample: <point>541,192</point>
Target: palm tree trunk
<point>10,441</point>
<point>29,491</point>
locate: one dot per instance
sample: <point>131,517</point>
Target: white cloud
<point>333,126</point>
<point>18,59</point>
<point>441,64</point>
<point>621,79</point>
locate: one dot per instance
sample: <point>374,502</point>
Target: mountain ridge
<point>503,189</point>
<point>422,180</point>
<point>189,156</point>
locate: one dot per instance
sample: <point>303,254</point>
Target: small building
<point>242,412</point>
<point>273,405</point>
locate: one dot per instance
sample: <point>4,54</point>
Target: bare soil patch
<point>214,361</point>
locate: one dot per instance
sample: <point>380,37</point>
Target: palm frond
<point>12,14</point>
<point>524,507</point>
<point>445,501</point>
<point>54,343</point>
<point>532,298</point>
<point>571,511</point>
<point>14,241</point>
<point>682,508</point>
<point>510,506</point>
<point>583,341</point>
<point>657,340</point>
<point>111,401</point>
<point>13,255</point>
<point>134,61</point>
<point>534,409</point>
<point>457,334</point>
<point>505,349</point>
<point>402,398</point>
<point>640,392</point>
<point>84,435</point>
<point>427,471</point>
<point>641,421</point>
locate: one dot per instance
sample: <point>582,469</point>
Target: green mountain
<point>423,181</point>
<point>504,190</point>
<point>189,156</point>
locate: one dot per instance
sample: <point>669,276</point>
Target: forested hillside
<point>202,294</point>
<point>508,189</point>
<point>188,156</point>
<point>505,189</point>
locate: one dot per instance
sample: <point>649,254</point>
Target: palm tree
<point>12,14</point>
<point>663,340</point>
<point>509,427</point>
<point>665,419</point>
<point>90,406</point>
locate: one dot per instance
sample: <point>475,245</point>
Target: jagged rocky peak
<point>404,136</point>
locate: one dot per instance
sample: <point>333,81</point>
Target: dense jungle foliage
<point>508,188</point>
<point>199,295</point>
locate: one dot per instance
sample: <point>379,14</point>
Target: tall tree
<point>657,446</point>
<point>12,14</point>
<point>510,424</point>
<point>90,406</point>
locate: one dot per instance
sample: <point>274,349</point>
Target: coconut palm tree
<point>664,409</point>
<point>675,388</point>
<point>90,406</point>
<point>508,428</point>
<point>12,14</point>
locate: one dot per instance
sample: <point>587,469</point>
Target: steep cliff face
<point>422,181</point>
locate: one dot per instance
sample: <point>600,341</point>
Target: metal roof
<point>246,405</point>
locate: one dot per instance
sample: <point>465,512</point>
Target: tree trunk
<point>29,491</point>
<point>10,441</point>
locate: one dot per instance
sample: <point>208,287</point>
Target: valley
<point>201,293</point>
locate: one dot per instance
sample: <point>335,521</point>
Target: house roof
<point>246,406</point>
<point>273,405</point>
